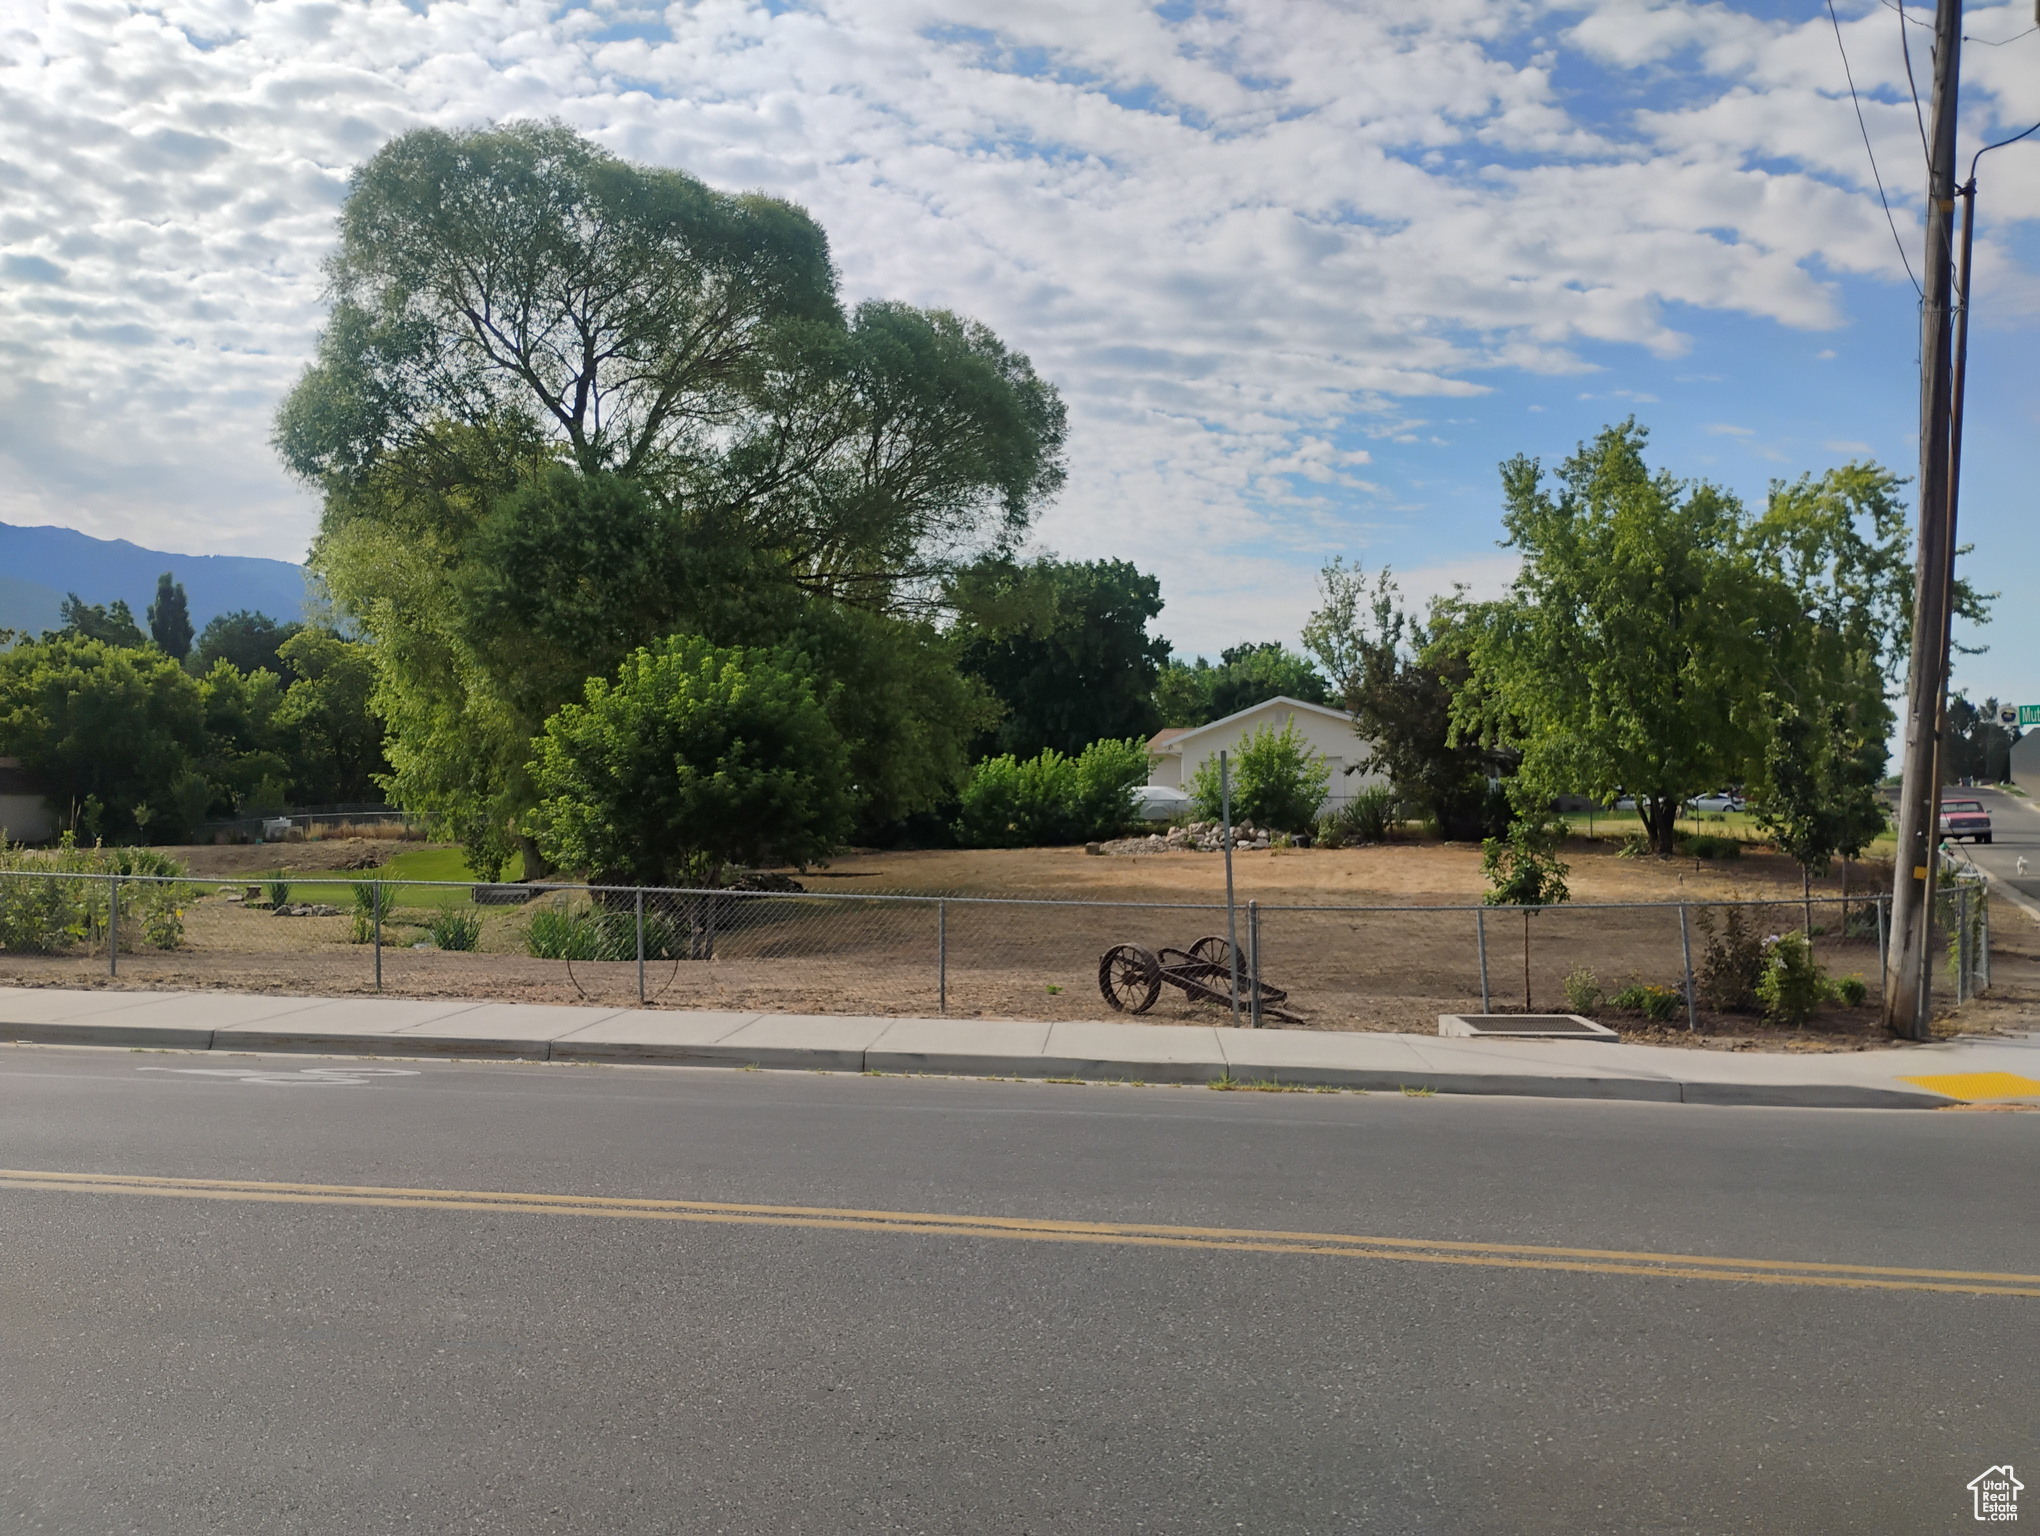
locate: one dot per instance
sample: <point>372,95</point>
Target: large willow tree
<point>565,406</point>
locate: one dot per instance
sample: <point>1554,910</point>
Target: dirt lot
<point>1397,873</point>
<point>1033,950</point>
<point>1414,873</point>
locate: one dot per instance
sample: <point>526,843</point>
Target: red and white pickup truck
<point>1965,818</point>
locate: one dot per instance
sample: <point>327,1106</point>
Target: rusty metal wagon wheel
<point>1130,977</point>
<point>1213,949</point>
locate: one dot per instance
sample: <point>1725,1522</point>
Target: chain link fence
<point>1339,967</point>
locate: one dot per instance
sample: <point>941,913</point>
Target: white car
<point>1159,802</point>
<point>1720,800</point>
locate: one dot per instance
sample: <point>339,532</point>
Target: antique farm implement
<point>1131,978</point>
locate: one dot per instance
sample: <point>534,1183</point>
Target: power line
<point>1849,75</point>
<point>2003,40</point>
<point>2001,143</point>
<point>1905,43</point>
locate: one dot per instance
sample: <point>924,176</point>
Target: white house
<point>25,816</point>
<point>1175,754</point>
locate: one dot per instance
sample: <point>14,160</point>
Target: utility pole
<point>1908,968</point>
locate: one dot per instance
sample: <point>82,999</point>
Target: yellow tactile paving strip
<point>1970,1086</point>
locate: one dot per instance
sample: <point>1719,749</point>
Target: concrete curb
<point>1810,1096</point>
<point>268,1042</point>
<point>160,1037</point>
<point>1642,1089</point>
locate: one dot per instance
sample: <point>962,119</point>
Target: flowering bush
<point>1793,983</point>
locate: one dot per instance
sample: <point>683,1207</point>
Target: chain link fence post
<point>1923,1001</point>
<point>1983,938</point>
<point>641,946</point>
<point>1480,936</point>
<point>1961,905</point>
<point>1254,962</point>
<point>1686,948</point>
<point>1232,930</point>
<point>941,956</point>
<point>113,925</point>
<point>375,900</point>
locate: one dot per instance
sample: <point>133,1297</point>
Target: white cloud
<point>1241,241</point>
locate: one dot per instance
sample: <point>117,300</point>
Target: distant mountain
<point>42,564</point>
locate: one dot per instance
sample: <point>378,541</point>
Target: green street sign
<point>2029,714</point>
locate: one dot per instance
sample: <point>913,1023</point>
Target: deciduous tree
<point>330,738</point>
<point>1064,647</point>
<point>1624,658</point>
<point>695,758</point>
<point>112,625</point>
<point>1196,693</point>
<point>115,731</point>
<point>251,640</point>
<point>566,405</point>
<point>1400,676</point>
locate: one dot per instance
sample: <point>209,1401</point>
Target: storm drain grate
<point>1535,1026</point>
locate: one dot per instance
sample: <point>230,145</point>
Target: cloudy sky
<point>1305,272</point>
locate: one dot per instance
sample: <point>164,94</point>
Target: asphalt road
<point>2014,835</point>
<point>197,1358</point>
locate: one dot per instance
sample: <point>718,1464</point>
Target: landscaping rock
<point>760,880</point>
<point>1197,837</point>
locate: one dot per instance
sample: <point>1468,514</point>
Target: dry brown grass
<point>1344,969</point>
<point>1413,873</point>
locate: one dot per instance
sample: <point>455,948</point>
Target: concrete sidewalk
<point>2005,1069</point>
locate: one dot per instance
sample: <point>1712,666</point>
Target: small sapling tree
<point>1524,870</point>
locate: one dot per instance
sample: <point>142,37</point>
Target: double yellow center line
<point>1600,1261</point>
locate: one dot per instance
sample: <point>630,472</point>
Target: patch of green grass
<point>1419,1093</point>
<point>441,864</point>
<point>448,864</point>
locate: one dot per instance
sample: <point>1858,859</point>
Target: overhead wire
<point>1849,75</point>
<point>1905,44</point>
<point>2000,42</point>
<point>2001,143</point>
<point>1988,42</point>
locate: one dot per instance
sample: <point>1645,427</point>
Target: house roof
<point>1174,737</point>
